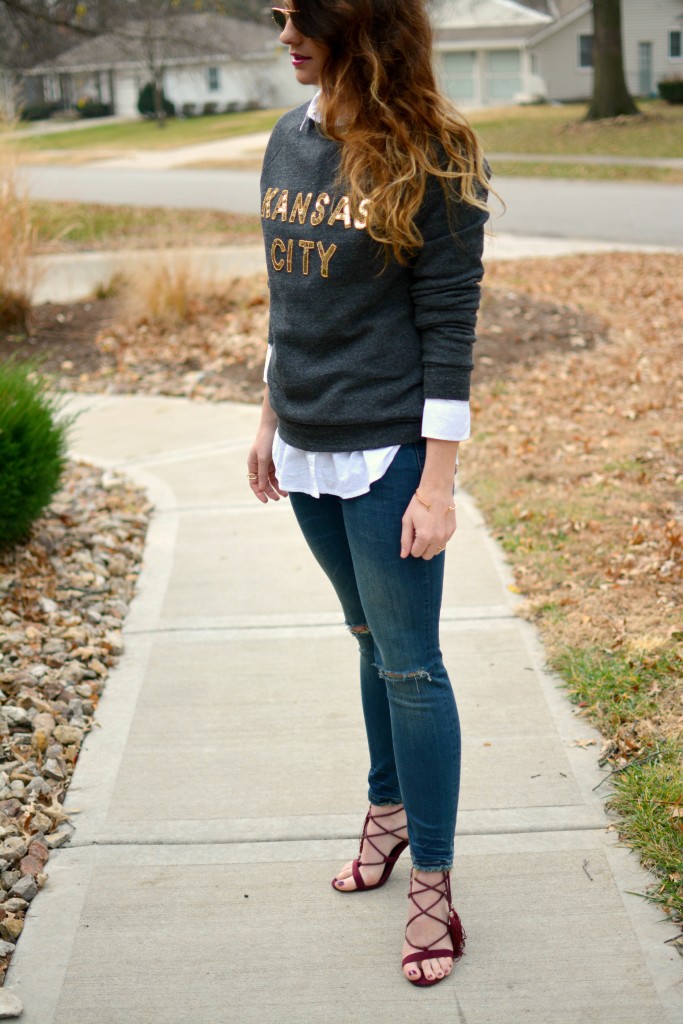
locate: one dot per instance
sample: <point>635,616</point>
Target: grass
<point>141,134</point>
<point>91,225</point>
<point>648,797</point>
<point>548,129</point>
<point>576,468</point>
<point>589,172</point>
<point>17,245</point>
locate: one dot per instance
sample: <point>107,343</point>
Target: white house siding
<point>648,21</point>
<point>643,21</point>
<point>557,62</point>
<point>268,81</point>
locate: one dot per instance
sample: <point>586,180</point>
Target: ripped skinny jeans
<point>392,606</point>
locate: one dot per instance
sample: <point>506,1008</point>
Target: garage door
<point>458,74</point>
<point>503,74</point>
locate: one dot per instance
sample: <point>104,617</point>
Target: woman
<point>373,212</point>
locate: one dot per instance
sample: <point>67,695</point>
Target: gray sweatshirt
<point>356,351</point>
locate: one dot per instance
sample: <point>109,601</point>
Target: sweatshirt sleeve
<point>446,289</point>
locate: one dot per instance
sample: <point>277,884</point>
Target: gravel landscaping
<point>63,597</point>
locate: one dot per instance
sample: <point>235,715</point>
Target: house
<point>489,52</point>
<point>206,59</point>
<point>486,53</point>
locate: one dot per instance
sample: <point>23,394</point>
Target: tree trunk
<point>611,98</point>
<point>159,109</point>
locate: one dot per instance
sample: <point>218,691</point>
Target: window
<point>503,74</point>
<point>675,41</point>
<point>585,51</point>
<point>214,79</point>
<point>459,73</point>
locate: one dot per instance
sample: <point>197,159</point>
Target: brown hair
<point>380,99</point>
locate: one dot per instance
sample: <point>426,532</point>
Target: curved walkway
<point>226,784</point>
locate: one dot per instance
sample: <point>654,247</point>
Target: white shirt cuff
<point>265,368</point>
<point>447,419</point>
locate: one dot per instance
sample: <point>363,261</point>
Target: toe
<point>412,971</point>
<point>345,880</point>
<point>446,964</point>
<point>428,969</point>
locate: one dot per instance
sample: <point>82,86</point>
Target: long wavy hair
<point>380,99</point>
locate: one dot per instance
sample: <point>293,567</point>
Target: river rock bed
<point>64,595</point>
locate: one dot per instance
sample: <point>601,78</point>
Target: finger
<point>255,488</point>
<point>420,546</point>
<point>275,483</point>
<point>407,536</point>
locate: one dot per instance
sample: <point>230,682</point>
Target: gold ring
<point>439,550</point>
<point>252,476</point>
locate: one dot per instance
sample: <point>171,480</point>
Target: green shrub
<point>32,449</point>
<point>94,109</point>
<point>146,102</point>
<point>38,111</point>
<point>671,89</point>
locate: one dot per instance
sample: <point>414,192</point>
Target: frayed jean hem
<point>438,867</point>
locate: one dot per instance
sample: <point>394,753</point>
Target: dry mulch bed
<point>218,354</point>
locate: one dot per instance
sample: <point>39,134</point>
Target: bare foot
<point>393,817</point>
<point>425,931</point>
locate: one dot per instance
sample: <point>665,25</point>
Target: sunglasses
<point>281,14</point>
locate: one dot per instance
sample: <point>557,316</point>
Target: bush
<point>38,111</point>
<point>189,109</point>
<point>32,449</point>
<point>146,102</point>
<point>210,108</point>
<point>94,108</point>
<point>671,89</point>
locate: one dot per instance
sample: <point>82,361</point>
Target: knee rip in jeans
<point>405,677</point>
<point>364,637</point>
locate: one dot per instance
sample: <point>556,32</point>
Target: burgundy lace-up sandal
<point>453,927</point>
<point>388,862</point>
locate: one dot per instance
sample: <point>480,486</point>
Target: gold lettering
<point>300,208</point>
<point>306,246</point>
<point>325,257</point>
<point>341,212</point>
<point>290,255</point>
<point>321,202</point>
<point>267,200</point>
<point>281,207</point>
<point>277,244</point>
<point>362,221</point>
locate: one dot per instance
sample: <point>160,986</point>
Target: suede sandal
<point>387,861</point>
<point>453,927</point>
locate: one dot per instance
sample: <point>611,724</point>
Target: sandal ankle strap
<point>383,832</point>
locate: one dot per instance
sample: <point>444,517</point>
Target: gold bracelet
<point>451,508</point>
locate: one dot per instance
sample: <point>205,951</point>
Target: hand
<point>426,531</point>
<point>260,465</point>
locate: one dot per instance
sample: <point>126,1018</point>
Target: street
<point>625,212</point>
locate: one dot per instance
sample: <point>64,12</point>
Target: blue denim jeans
<point>410,712</point>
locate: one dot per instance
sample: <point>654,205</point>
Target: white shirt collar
<point>312,111</point>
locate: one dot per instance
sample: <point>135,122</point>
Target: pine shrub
<point>32,449</point>
<point>146,102</point>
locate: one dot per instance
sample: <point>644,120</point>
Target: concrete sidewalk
<point>227,784</point>
<point>70,277</point>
